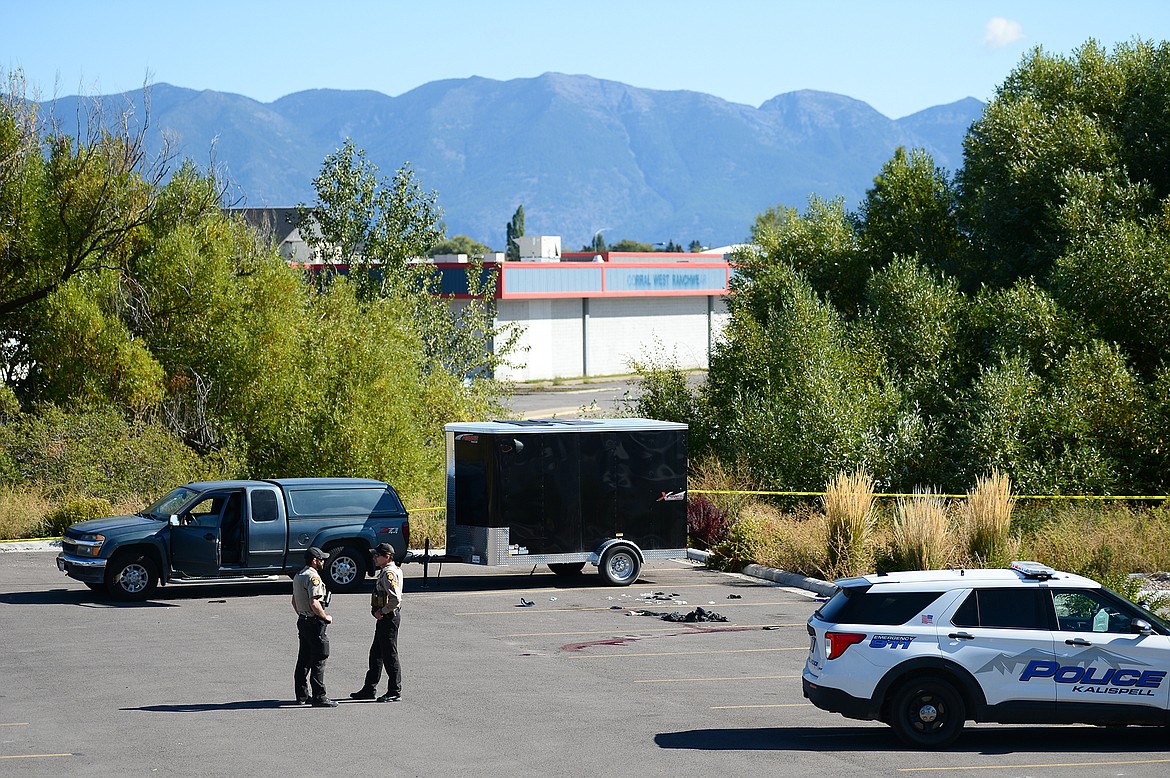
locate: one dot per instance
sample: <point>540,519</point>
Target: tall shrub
<point>987,517</point>
<point>848,505</point>
<point>920,531</point>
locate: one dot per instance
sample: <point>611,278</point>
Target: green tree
<point>375,227</point>
<point>459,244</point>
<point>514,230</point>
<point>1090,119</point>
<point>1082,430</point>
<point>1022,321</point>
<point>1014,318</point>
<point>597,246</point>
<point>632,246</point>
<point>68,205</point>
<point>795,395</point>
<point>82,353</point>
<point>370,225</point>
<point>919,319</point>
<point>822,244</point>
<point>1118,281</point>
<point>910,212</point>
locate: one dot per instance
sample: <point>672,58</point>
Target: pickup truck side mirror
<point>173,520</point>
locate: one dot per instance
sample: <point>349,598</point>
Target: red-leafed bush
<point>707,524</point>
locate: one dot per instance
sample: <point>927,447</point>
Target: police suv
<point>926,651</point>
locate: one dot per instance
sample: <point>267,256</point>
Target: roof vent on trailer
<point>1033,570</point>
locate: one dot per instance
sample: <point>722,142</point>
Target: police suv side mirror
<point>1141,627</point>
<point>173,520</point>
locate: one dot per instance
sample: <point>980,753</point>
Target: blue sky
<point>900,56</point>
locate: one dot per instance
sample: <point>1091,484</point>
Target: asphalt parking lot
<point>197,681</point>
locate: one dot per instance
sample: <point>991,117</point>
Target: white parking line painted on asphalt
<point>695,627</point>
<point>630,607</point>
<point>725,678</point>
<point>688,653</point>
<point>1035,766</point>
<point>777,705</point>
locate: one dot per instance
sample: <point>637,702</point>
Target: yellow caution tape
<point>952,496</point>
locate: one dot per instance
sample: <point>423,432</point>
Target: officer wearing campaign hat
<point>309,600</point>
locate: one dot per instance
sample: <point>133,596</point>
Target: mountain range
<point>581,154</point>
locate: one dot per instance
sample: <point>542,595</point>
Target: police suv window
<point>854,606</point>
<point>1079,610</point>
<point>1003,609</point>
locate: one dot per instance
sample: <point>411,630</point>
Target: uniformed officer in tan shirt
<point>308,600</point>
<point>384,607</point>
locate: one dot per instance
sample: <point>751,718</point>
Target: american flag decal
<point>927,618</point>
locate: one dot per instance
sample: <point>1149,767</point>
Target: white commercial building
<point>586,314</point>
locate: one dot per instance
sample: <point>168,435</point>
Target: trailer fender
<point>619,561</point>
<point>606,545</point>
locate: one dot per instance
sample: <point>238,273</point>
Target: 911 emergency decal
<point>891,641</point>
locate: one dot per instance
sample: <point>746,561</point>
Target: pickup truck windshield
<point>169,503</point>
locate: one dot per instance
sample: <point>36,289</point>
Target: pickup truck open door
<point>196,538</point>
<point>267,530</point>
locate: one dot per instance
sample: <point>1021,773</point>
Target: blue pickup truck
<point>219,530</point>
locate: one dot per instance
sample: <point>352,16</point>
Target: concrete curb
<point>30,545</point>
<point>814,585</point>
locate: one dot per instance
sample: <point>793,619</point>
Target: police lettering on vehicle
<point>1091,680</point>
<point>891,641</point>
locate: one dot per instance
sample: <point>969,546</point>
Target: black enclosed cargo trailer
<point>610,492</point>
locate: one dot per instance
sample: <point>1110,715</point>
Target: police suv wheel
<point>620,566</point>
<point>927,713</point>
<point>345,569</point>
<point>132,577</point>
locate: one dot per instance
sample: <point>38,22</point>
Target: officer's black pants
<point>384,653</point>
<point>314,650</point>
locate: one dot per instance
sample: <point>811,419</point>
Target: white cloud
<point>999,32</point>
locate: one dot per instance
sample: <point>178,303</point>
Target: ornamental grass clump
<point>849,513</point>
<point>988,519</point>
<point>920,531</point>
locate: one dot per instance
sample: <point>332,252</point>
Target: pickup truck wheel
<point>620,566</point>
<point>927,713</point>
<point>132,576</point>
<point>566,569</point>
<point>345,569</point>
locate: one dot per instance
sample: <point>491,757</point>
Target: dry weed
<point>22,513</point>
<point>725,487</point>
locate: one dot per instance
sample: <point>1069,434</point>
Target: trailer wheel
<point>620,566</point>
<point>345,569</point>
<point>567,569</point>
